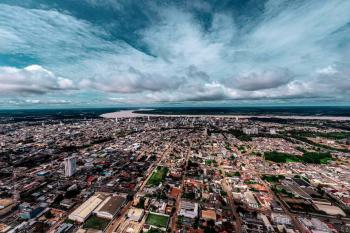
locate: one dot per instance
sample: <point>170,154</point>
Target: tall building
<point>205,131</point>
<point>70,165</point>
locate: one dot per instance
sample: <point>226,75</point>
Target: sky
<point>139,53</point>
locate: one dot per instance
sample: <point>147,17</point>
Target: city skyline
<point>94,53</point>
<point>174,173</point>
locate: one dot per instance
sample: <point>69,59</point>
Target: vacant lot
<point>96,223</point>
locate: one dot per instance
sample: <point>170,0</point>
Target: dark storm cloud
<point>261,80</point>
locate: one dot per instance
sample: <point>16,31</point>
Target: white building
<point>135,214</point>
<point>250,200</point>
<point>249,131</point>
<point>70,166</point>
<point>188,209</point>
<point>85,210</point>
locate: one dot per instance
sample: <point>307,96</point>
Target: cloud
<point>51,37</point>
<point>333,79</point>
<point>329,70</point>
<point>52,101</point>
<point>31,80</point>
<point>179,52</point>
<point>132,81</point>
<point>254,81</point>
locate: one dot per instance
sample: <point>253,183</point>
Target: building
<point>209,215</point>
<point>250,200</point>
<point>314,225</point>
<point>281,219</point>
<point>249,131</point>
<point>4,227</point>
<point>188,209</point>
<point>135,214</point>
<point>28,212</point>
<point>273,131</point>
<point>6,205</point>
<point>65,227</point>
<point>43,173</point>
<point>19,228</point>
<point>266,222</point>
<point>70,166</point>
<point>253,225</point>
<point>67,203</point>
<point>110,207</point>
<point>86,209</point>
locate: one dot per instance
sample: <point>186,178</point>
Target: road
<point>178,199</point>
<point>226,187</point>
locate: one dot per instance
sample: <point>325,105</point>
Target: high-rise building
<point>70,166</point>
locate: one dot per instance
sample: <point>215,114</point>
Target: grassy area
<point>208,162</point>
<point>96,223</point>
<point>154,230</point>
<point>250,182</point>
<point>157,176</point>
<point>325,160</point>
<point>69,221</point>
<point>291,160</point>
<point>157,220</point>
<point>315,157</point>
<point>279,157</point>
<point>308,157</point>
<point>282,191</point>
<point>229,174</point>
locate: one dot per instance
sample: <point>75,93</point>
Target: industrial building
<point>86,209</point>
<point>104,205</point>
<point>110,207</point>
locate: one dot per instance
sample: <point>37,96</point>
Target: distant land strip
<point>132,113</point>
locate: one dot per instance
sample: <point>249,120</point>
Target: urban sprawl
<point>175,174</point>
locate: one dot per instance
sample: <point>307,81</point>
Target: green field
<point>157,220</point>
<point>157,176</point>
<point>96,223</point>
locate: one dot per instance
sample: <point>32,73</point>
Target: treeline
<point>240,135</point>
<point>329,135</point>
<point>307,157</point>
<point>303,136</point>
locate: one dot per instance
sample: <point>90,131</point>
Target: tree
<point>48,214</point>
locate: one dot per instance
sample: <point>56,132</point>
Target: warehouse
<point>110,207</point>
<point>85,209</point>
